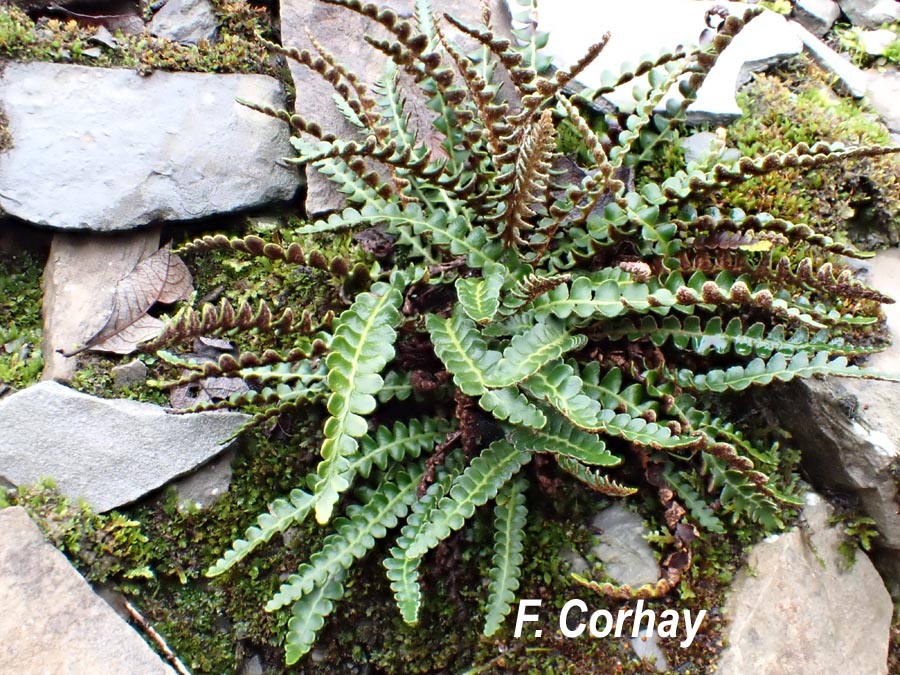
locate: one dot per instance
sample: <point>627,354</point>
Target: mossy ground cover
<point>20,319</point>
<point>156,553</point>
<point>236,50</point>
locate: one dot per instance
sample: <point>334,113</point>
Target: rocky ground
<point>100,165</point>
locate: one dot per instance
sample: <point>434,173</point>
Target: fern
<point>480,482</point>
<point>403,572</point>
<point>509,523</point>
<point>534,291</point>
<point>361,347</point>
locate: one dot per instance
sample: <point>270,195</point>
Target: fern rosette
<point>559,308</point>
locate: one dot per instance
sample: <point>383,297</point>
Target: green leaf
<point>363,343</point>
<point>559,437</point>
<point>480,482</point>
<point>557,384</point>
<point>403,572</point>
<point>459,346</point>
<point>510,405</point>
<point>509,533</point>
<point>308,617</point>
<point>528,352</point>
<point>760,372</point>
<point>354,536</point>
<point>480,297</point>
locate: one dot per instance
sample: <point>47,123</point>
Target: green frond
<point>396,443</point>
<point>397,386</point>
<point>363,343</point>
<point>509,534</point>
<point>714,335</point>
<point>699,509</point>
<point>459,346</point>
<point>353,537</point>
<point>559,437</point>
<point>606,387</point>
<point>308,617</point>
<point>510,405</point>
<point>740,496</point>
<point>559,386</point>
<point>281,515</point>
<point>593,479</point>
<point>762,372</point>
<point>403,572</point>
<point>479,483</point>
<point>480,297</point>
<point>529,351</point>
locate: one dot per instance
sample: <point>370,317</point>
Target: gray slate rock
<point>883,95</point>
<point>109,452</point>
<point>871,13</point>
<point>849,431</point>
<point>797,609</point>
<point>816,16</point>
<point>51,620</point>
<point>340,31</point>
<point>627,557</point>
<point>876,42</point>
<point>205,485</point>
<point>129,374</point>
<point>644,27</point>
<point>188,21</point>
<point>80,279</point>
<point>107,149</point>
<point>851,80</point>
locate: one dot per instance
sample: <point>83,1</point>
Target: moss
<point>859,200</point>
<point>238,49</point>
<point>156,554</point>
<point>20,319</point>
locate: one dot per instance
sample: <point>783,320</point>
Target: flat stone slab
<point>52,622</point>
<point>798,608</point>
<point>108,452</point>
<point>107,149</point>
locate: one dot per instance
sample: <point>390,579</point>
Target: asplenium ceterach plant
<point>564,313</point>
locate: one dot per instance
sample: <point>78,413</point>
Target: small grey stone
<point>883,94</point>
<point>253,666</point>
<point>816,16</point>
<point>209,482</point>
<point>875,42</point>
<point>871,13</point>
<point>107,149</point>
<point>108,452</point>
<point>797,609</point>
<point>188,21</point>
<point>697,146</point>
<point>80,280</point>
<point>627,558</point>
<point>51,620</point>
<point>851,80</point>
<point>646,646</point>
<point>129,374</point>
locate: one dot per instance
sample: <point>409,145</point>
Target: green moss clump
<point>20,320</point>
<point>856,200</point>
<point>238,49</point>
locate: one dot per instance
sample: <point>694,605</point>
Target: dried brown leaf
<point>161,277</point>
